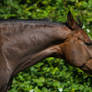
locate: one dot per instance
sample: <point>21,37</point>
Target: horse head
<point>77,53</point>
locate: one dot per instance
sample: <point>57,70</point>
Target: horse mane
<point>16,26</point>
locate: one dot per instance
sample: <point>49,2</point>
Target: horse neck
<point>24,39</point>
<point>36,35</point>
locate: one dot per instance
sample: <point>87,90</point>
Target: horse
<point>24,43</point>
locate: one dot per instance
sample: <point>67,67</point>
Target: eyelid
<point>88,43</point>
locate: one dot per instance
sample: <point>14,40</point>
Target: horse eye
<point>88,43</point>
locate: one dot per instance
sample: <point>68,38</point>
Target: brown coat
<point>24,43</point>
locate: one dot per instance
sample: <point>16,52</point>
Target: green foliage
<point>50,75</point>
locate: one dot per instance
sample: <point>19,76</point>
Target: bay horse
<point>24,43</point>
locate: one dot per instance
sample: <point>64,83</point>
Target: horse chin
<point>89,64</point>
<point>87,67</point>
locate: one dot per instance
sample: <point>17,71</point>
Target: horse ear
<point>79,22</point>
<point>71,22</point>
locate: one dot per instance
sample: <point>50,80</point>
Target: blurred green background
<point>51,74</point>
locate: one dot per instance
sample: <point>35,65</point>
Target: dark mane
<point>17,26</point>
<point>38,21</point>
